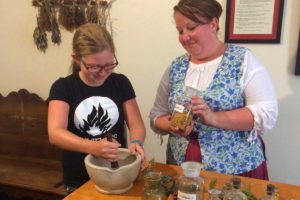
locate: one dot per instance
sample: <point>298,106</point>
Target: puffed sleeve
<point>259,94</point>
<point>160,106</point>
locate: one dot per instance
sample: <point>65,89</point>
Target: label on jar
<point>186,196</point>
<point>179,108</point>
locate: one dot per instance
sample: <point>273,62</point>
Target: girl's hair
<point>200,11</point>
<point>88,39</point>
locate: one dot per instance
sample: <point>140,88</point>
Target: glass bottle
<point>235,193</point>
<point>182,113</point>
<point>270,193</point>
<point>152,187</point>
<point>191,184</point>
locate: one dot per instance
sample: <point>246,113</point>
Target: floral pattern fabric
<point>224,151</point>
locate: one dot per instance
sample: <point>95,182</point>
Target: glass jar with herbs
<point>182,113</point>
<point>153,189</point>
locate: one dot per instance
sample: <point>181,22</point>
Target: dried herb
<point>79,17</point>
<point>67,17</point>
<point>40,39</point>
<point>55,37</point>
<point>44,18</point>
<point>168,184</point>
<point>92,13</point>
<point>212,183</point>
<point>250,195</point>
<point>181,120</point>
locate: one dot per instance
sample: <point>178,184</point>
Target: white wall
<point>146,43</point>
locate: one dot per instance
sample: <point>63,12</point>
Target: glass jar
<point>235,193</point>
<point>182,113</point>
<point>191,184</point>
<point>152,187</point>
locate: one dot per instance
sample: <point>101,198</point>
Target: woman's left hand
<point>202,110</point>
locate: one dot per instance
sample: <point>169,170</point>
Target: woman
<point>235,101</point>
<point>91,102</point>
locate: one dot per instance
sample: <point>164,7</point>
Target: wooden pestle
<point>113,164</point>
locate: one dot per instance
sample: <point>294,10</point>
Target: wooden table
<point>89,192</point>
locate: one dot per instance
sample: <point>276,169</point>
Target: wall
<point>146,42</point>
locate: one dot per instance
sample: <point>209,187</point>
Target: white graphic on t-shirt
<point>96,115</point>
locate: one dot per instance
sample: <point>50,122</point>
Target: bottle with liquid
<point>182,112</point>
<point>270,193</point>
<point>235,193</point>
<point>191,184</point>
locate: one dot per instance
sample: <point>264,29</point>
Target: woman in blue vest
<point>235,102</point>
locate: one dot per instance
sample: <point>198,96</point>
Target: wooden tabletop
<point>89,192</point>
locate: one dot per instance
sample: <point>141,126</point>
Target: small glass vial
<point>235,193</point>
<point>182,113</point>
<point>191,184</point>
<point>152,187</point>
<point>270,193</point>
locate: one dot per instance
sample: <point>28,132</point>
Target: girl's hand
<point>137,148</point>
<point>106,149</point>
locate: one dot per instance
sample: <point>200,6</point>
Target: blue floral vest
<point>224,151</point>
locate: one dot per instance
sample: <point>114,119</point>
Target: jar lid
<point>191,168</point>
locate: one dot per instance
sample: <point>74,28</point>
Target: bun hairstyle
<point>200,11</point>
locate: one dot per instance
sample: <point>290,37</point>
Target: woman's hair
<point>200,11</point>
<point>90,38</point>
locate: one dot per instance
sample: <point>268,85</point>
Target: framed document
<point>253,21</point>
<point>297,70</point>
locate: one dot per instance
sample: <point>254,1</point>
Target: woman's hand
<point>181,132</point>
<point>202,110</point>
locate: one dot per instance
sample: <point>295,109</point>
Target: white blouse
<point>256,85</point>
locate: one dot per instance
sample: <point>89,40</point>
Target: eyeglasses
<point>97,68</point>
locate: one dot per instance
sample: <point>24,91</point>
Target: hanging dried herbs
<point>79,16</point>
<point>92,13</point>
<point>55,37</point>
<point>43,18</point>
<point>68,13</point>
<point>40,38</point>
<point>67,17</point>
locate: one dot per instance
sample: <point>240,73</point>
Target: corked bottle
<point>235,192</point>
<point>114,164</point>
<point>270,193</point>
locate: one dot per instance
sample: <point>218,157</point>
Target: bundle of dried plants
<point>70,14</point>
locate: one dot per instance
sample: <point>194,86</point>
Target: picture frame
<point>253,21</point>
<point>297,69</point>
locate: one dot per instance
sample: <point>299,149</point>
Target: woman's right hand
<point>183,133</point>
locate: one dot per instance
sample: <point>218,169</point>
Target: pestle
<point>113,164</point>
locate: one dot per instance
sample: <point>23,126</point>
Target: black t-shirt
<point>93,111</point>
